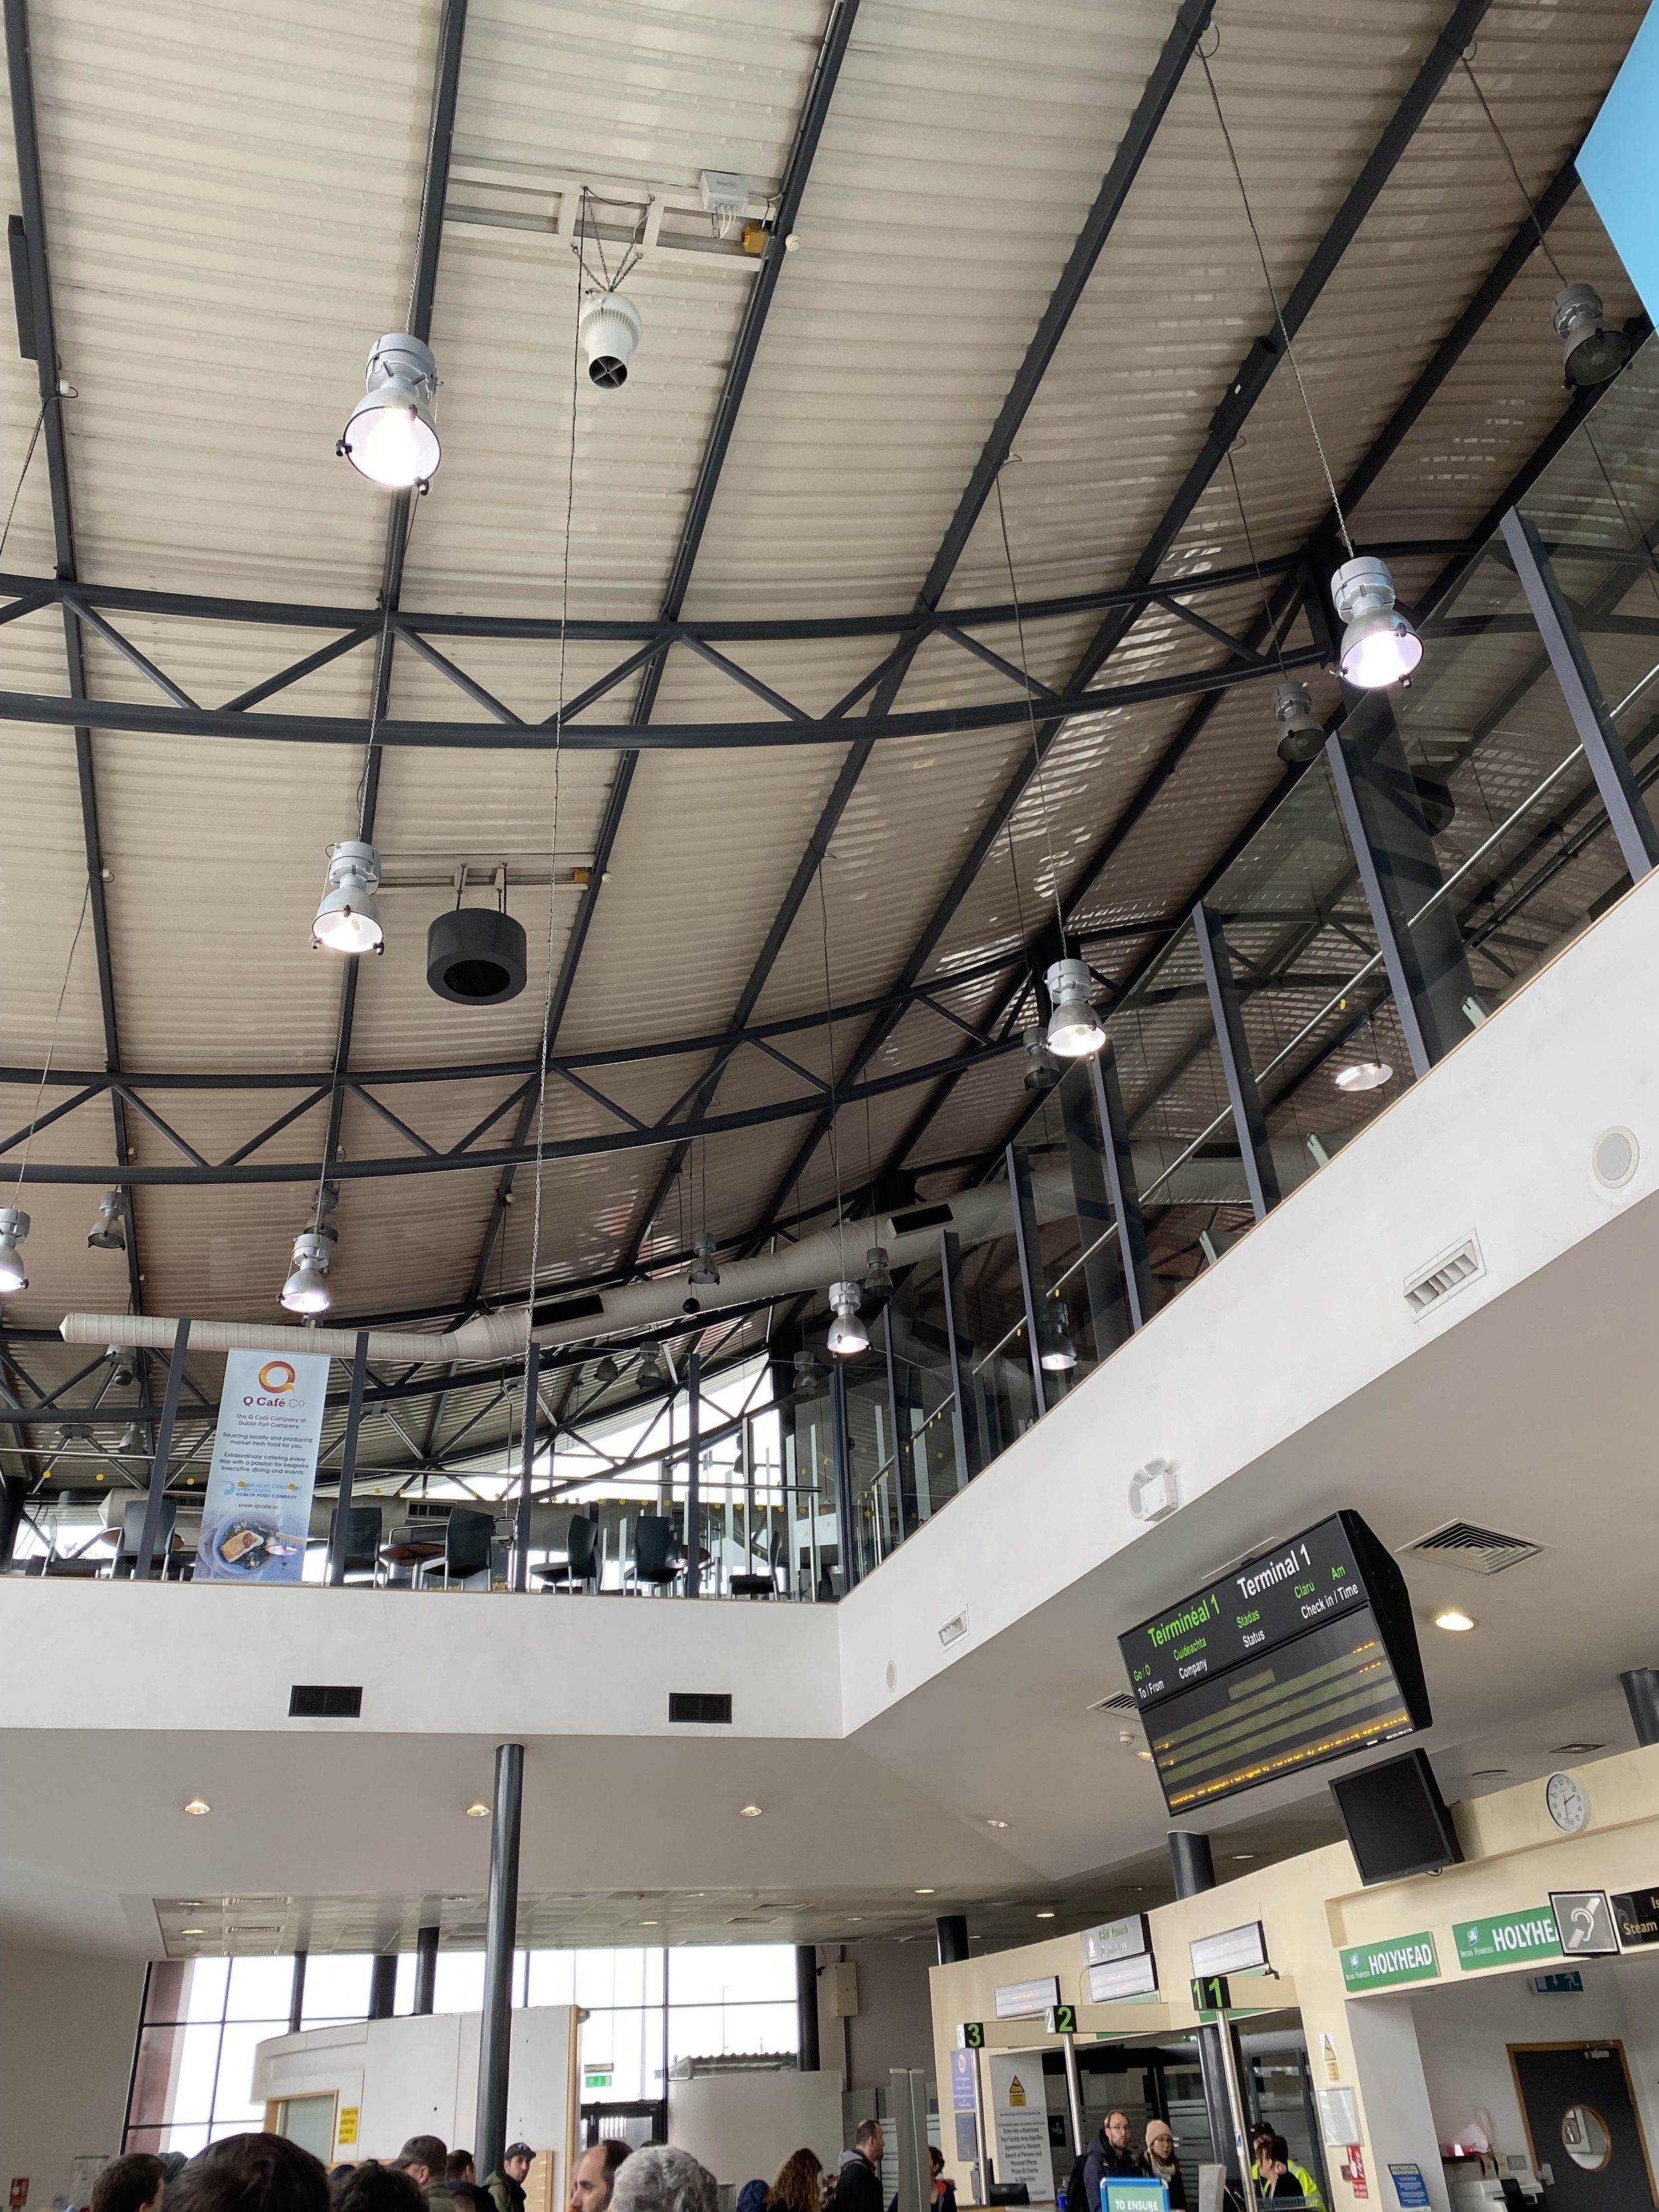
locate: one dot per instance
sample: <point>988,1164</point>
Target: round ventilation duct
<point>476,955</point>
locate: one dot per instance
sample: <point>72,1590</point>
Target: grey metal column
<point>964,1409</point>
<point>693,1473</point>
<point>1641,1689</point>
<point>296,1999</point>
<point>426,1968</point>
<point>1193,1865</point>
<point>841,1446</point>
<point>1426,966</point>
<point>145,1564</point>
<point>1632,825</point>
<point>532,1370</point>
<point>951,1931</point>
<point>501,1915</point>
<point>903,1458</point>
<point>383,1985</point>
<point>1120,1181</point>
<point>1085,1150</point>
<point>1031,1261</point>
<point>341,1546</point>
<point>1261,1177</point>
<point>807,2008</point>
<point>13,1490</point>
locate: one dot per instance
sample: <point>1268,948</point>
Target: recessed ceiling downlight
<point>1455,1620</point>
<point>749,1812</point>
<point>478,1810</point>
<point>197,1806</point>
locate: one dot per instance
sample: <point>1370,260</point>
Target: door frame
<point>274,2111</point>
<point>1583,2043</point>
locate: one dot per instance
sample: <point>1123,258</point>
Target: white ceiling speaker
<point>610,329</point>
<point>1615,1157</point>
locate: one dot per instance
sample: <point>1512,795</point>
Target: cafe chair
<point>756,1585</point>
<point>656,1560</point>
<point>580,1564</point>
<point>363,1534</point>
<point>468,1538</point>
<point>125,1562</point>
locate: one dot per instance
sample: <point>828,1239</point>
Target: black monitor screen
<point>1396,1820</point>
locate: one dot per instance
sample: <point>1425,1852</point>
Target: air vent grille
<point>1447,1273</point>
<point>325,1701</point>
<point>703,1708</point>
<point>1121,1702</point>
<point>1482,1551</point>
<point>922,1217</point>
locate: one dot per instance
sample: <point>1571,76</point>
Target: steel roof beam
<point>19,71</point>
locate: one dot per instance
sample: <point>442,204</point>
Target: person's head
<point>373,2187</point>
<point>936,2160</point>
<point>423,2159</point>
<point>870,2140</point>
<point>132,2184</point>
<point>517,2160</point>
<point>252,2174</point>
<point>1259,2134</point>
<point>1117,2131</point>
<point>173,2163</point>
<point>799,2184</point>
<point>660,2179</point>
<point>459,2167</point>
<point>1275,2157</point>
<point>1160,2140</point>
<point>594,2177</point>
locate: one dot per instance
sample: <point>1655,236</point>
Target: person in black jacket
<point>858,2180</point>
<point>1110,2158</point>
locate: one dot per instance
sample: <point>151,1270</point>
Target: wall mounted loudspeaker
<point>476,955</point>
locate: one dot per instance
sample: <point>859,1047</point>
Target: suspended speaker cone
<point>476,955</point>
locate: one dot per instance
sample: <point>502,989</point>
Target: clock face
<point>1568,1806</point>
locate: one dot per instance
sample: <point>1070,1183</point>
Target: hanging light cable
<point>14,1222</point>
<point>1379,646</point>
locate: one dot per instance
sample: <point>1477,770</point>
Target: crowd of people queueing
<point>1111,2156</point>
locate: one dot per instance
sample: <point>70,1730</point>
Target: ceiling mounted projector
<point>610,329</point>
<point>475,955</point>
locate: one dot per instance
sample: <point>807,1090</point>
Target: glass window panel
<point>233,2100</point>
<point>204,1994</point>
<point>732,1973</point>
<point>336,1987</point>
<point>552,1978</point>
<point>405,1999</point>
<point>189,2139</point>
<point>714,2031</point>
<point>260,1989</point>
<point>618,1978</point>
<point>196,2064</point>
<point>459,1983</point>
<point>626,2042</point>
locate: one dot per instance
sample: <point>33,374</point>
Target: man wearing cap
<point>506,2184</point>
<point>425,2159</point>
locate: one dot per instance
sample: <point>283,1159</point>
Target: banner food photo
<point>257,1515</point>
<point>1019,2108</point>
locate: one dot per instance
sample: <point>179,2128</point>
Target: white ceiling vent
<point>954,1629</point>
<point>1120,1702</point>
<point>1429,1289</point>
<point>1482,1551</point>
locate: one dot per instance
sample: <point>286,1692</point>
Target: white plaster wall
<point>68,2022</point>
<point>742,2126</point>
<point>1389,2064</point>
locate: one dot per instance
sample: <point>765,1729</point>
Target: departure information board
<point>1303,1654</point>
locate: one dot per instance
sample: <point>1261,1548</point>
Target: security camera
<point>609,328</point>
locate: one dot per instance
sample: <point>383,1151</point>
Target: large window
<point>648,2011</point>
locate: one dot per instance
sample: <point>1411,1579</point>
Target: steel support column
<point>1261,1177</point>
<point>297,1998</point>
<point>383,1985</point>
<point>1120,1181</point>
<point>693,1473</point>
<point>839,1445</point>
<point>532,1370</point>
<point>340,1547</point>
<point>1028,1245</point>
<point>970,1454</point>
<point>144,1565</point>
<point>1609,763</point>
<point>501,1928</point>
<point>1193,1865</point>
<point>807,2008</point>
<point>1086,1145</point>
<point>426,1970</point>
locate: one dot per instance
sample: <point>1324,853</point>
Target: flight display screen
<point>1303,1654</point>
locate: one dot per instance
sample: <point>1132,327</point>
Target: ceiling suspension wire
<point>51,1042</point>
<point>830,1024</point>
<point>1278,312</point>
<point>17,488</point>
<point>1496,132</point>
<point>1249,547</point>
<point>1030,716</point>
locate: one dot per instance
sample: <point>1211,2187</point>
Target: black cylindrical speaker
<point>475,955</point>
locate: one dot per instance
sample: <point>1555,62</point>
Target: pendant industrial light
<point>1302,735</point>
<point>610,329</point>
<point>107,1234</point>
<point>1055,1353</point>
<point>1042,1068</point>
<point>1591,353</point>
<point>705,1272</point>
<point>606,1372</point>
<point>306,1290</point>
<point>649,1375</point>
<point>390,438</point>
<point>135,1443</point>
<point>348,920</point>
<point>1365,1075</point>
<point>807,1373</point>
<point>1074,1029</point>
<point>877,1276</point>
<point>846,1337</point>
<point>13,1228</point>
<point>1379,646</point>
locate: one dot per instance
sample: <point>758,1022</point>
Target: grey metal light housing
<point>1042,1068</point>
<point>1379,646</point>
<point>705,1272</point>
<point>1302,735</point>
<point>609,328</point>
<point>13,1228</point>
<point>878,1277</point>
<point>390,438</point>
<point>348,920</point>
<point>306,1290</point>
<point>1074,1026</point>
<point>475,956</point>
<point>845,1338</point>
<point>606,1371</point>
<point>649,1375</point>
<point>1055,1349</point>
<point>1591,352</point>
<point>108,1235</point>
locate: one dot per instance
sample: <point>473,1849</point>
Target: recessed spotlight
<point>1239,1857</point>
<point>651,1923</point>
<point>1454,1619</point>
<point>197,1805</point>
<point>1489,1773</point>
<point>1146,1755</point>
<point>192,1931</point>
<point>925,1893</point>
<point>855,1916</point>
<point>991,1823</point>
<point>1045,1916</point>
<point>189,1905</point>
<point>477,1811</point>
<point>749,1812</point>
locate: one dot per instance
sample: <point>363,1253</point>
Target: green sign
<point>1134,2196</point>
<point>1060,2020</point>
<point>1210,1993</point>
<point>1507,1938</point>
<point>1380,1965</point>
<point>970,2036</point>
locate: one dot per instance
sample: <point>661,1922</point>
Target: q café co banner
<point>257,1515</point>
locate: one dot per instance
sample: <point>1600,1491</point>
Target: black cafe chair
<point>468,1541</point>
<point>656,1557</point>
<point>580,1564</point>
<point>363,1536</point>
<point>130,1541</point>
<point>753,1585</point>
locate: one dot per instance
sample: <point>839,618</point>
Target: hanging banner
<point>257,1513</point>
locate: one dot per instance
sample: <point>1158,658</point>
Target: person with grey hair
<point>660,2178</point>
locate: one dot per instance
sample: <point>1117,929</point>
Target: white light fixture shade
<point>1365,1075</point>
<point>610,329</point>
<point>1379,646</point>
<point>390,438</point>
<point>1074,1029</point>
<point>846,1337</point>
<point>306,1290</point>
<point>13,1228</point>
<point>348,920</point>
